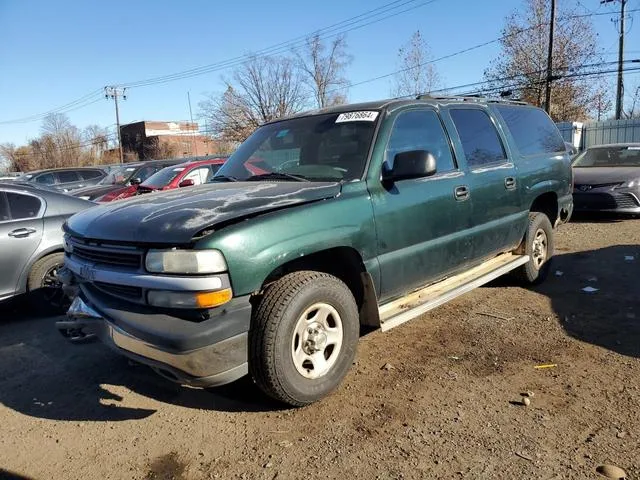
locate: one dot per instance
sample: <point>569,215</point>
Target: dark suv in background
<point>123,182</point>
<point>64,179</point>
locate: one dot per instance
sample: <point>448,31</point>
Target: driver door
<point>420,223</point>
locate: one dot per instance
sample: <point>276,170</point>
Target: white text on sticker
<point>357,117</point>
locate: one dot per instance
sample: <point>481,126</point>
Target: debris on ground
<point>559,273</point>
<point>546,365</point>
<point>590,289</point>
<point>494,315</point>
<point>526,401</point>
<point>387,366</point>
<point>629,258</point>
<point>611,471</point>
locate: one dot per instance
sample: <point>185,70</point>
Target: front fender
<point>256,247</point>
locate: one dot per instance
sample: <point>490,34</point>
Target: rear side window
<point>4,208</point>
<point>23,206</point>
<point>67,177</point>
<point>90,174</point>
<point>420,130</point>
<point>479,137</point>
<point>532,130</point>
<point>46,179</point>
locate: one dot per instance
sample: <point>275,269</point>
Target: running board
<point>421,301</point>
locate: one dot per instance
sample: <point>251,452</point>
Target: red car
<point>182,175</point>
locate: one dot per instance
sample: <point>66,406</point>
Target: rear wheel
<point>303,337</point>
<point>45,289</point>
<point>538,243</point>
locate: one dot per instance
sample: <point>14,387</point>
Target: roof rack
<point>471,98</point>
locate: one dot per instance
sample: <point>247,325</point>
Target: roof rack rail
<point>471,98</point>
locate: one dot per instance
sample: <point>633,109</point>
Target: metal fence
<point>600,133</point>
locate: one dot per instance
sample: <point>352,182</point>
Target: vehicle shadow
<point>599,217</point>
<point>609,315</point>
<point>596,296</point>
<point>42,375</point>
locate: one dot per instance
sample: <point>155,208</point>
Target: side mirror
<point>135,181</point>
<point>187,183</point>
<point>412,164</point>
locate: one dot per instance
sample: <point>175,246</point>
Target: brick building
<point>149,140</point>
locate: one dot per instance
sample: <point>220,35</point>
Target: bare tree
<point>522,63</point>
<point>634,108</point>
<point>324,68</point>
<point>416,75</point>
<point>260,90</point>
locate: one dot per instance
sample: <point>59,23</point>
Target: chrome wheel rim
<point>317,340</point>
<point>540,247</point>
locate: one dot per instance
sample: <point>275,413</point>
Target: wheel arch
<point>344,263</point>
<point>23,286</point>
<point>547,203</point>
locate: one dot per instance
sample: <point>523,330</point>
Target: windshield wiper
<point>277,176</point>
<point>223,178</point>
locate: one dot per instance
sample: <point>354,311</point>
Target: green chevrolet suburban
<point>363,215</point>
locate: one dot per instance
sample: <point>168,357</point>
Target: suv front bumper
<point>194,357</point>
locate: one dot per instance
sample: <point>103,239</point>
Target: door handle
<point>461,193</point>
<point>21,232</point>
<point>510,183</point>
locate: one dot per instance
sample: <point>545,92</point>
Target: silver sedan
<point>31,250</point>
<point>607,178</point>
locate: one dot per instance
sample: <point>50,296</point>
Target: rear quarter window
<point>90,174</point>
<point>532,130</point>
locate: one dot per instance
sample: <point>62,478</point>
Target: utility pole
<point>547,92</point>
<point>620,86</point>
<point>194,143</point>
<point>114,93</point>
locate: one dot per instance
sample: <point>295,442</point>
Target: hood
<point>175,216</point>
<point>96,191</point>
<point>602,175</point>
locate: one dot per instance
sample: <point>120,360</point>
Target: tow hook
<point>81,324</point>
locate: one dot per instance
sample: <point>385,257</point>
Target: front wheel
<point>303,337</point>
<point>538,243</point>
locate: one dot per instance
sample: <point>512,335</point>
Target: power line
<point>81,102</point>
<point>271,51</point>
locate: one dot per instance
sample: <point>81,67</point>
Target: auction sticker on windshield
<point>357,117</point>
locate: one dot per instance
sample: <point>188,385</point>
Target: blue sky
<point>56,51</point>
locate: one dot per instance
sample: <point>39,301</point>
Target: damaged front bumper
<point>214,363</point>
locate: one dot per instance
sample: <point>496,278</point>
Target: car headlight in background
<point>185,261</point>
<point>169,299</point>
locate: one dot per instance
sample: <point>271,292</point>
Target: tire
<point>539,244</point>
<point>45,291</point>
<point>289,338</point>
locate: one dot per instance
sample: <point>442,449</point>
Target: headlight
<point>66,244</point>
<point>169,299</point>
<point>630,184</point>
<point>185,261</point>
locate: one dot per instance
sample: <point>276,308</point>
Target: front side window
<point>120,176</point>
<point>533,131</point>
<point>67,177</point>
<point>22,206</point>
<point>329,147</point>
<point>46,179</point>
<point>420,130</point>
<point>198,175</point>
<point>90,174</point>
<point>480,141</point>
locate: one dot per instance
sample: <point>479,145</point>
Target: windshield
<point>119,176</point>
<point>163,177</point>
<point>330,147</point>
<point>621,156</point>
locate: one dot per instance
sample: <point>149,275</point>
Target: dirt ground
<point>446,406</point>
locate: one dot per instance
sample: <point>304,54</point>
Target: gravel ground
<point>445,405</point>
